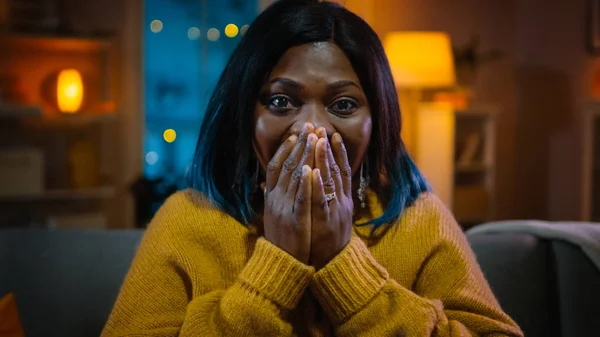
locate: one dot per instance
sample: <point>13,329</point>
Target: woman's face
<point>312,83</point>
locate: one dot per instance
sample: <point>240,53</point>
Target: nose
<point>318,116</point>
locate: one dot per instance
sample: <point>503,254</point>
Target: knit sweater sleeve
<point>450,296</point>
<point>157,298</point>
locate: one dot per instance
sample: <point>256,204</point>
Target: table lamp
<point>423,60</point>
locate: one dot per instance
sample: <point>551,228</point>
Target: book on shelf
<point>469,150</point>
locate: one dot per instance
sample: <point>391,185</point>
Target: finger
<point>321,132</point>
<point>291,162</point>
<point>334,170</point>
<point>341,158</point>
<point>302,201</point>
<point>322,164</point>
<point>307,159</point>
<point>275,164</point>
<point>319,206</point>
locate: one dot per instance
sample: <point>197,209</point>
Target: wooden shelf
<point>76,120</point>
<point>54,43</point>
<point>105,192</point>
<point>12,111</point>
<point>34,115</point>
<point>471,168</point>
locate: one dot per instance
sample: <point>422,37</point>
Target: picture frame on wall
<point>593,26</point>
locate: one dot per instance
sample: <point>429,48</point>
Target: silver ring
<point>330,196</point>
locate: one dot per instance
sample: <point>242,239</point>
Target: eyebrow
<point>332,86</point>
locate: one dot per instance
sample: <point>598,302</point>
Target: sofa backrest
<point>65,281</point>
<point>550,288</point>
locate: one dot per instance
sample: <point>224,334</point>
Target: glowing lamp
<point>420,59</point>
<point>69,91</point>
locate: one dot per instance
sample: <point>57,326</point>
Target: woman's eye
<point>344,106</point>
<point>280,102</point>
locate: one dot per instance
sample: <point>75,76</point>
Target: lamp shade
<point>69,91</point>
<point>420,59</point>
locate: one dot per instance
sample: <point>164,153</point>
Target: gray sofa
<point>66,282</point>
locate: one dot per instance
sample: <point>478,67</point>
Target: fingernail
<point>312,138</point>
<point>306,170</point>
<point>325,144</point>
<point>337,138</point>
<point>307,126</point>
<point>318,173</point>
<point>293,138</point>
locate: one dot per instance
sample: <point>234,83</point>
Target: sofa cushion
<point>65,282</point>
<point>518,267</point>
<point>579,282</point>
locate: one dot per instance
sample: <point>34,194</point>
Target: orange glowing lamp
<point>69,91</point>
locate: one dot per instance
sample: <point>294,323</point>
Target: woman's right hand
<point>288,190</point>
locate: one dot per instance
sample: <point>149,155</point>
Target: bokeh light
<point>193,33</point>
<point>244,29</point>
<point>231,30</point>
<point>156,26</point>
<point>151,158</point>
<point>213,34</point>
<point>170,135</point>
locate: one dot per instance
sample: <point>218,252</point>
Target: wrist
<point>322,258</point>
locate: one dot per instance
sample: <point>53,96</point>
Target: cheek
<point>357,142</point>
<point>268,133</point>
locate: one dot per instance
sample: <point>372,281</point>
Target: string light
<point>213,34</point>
<point>244,29</point>
<point>169,135</point>
<point>231,30</point>
<point>193,33</point>
<point>151,158</point>
<point>156,26</point>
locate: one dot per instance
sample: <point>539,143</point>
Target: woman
<point>307,217</point>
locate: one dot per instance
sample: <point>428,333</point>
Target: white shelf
<point>105,192</point>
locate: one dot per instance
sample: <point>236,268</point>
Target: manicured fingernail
<point>312,138</point>
<point>324,144</point>
<point>306,170</point>
<point>306,127</point>
<point>317,173</point>
<point>293,138</point>
<point>337,138</point>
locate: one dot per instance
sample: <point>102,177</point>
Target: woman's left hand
<point>331,220</point>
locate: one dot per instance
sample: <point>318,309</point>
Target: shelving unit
<point>77,173</point>
<point>474,170</point>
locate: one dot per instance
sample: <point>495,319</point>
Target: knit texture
<point>198,272</point>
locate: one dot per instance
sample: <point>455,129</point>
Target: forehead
<point>318,60</point>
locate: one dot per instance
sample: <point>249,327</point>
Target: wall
<point>552,67</point>
<point>495,24</point>
<point>541,85</point>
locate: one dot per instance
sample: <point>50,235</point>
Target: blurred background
<point>101,103</point>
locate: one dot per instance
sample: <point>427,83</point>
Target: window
<point>187,45</point>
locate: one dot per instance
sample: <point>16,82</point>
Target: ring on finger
<point>330,196</point>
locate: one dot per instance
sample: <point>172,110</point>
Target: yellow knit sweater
<point>198,272</point>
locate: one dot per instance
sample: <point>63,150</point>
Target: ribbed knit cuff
<point>276,275</point>
<point>349,281</point>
